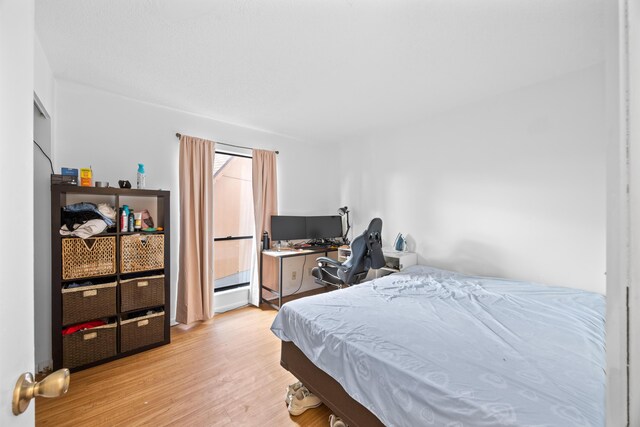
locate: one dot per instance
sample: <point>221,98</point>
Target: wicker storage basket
<point>82,258</point>
<point>91,345</point>
<point>141,331</point>
<point>142,292</point>
<point>141,252</point>
<point>88,303</point>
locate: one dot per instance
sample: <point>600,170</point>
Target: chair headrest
<point>375,257</point>
<point>374,232</point>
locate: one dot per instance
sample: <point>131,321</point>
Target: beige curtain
<point>265,204</point>
<point>195,277</point>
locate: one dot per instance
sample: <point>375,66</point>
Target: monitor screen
<point>324,227</point>
<point>288,228</point>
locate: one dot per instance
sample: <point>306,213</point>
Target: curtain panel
<point>195,276</point>
<point>265,204</point>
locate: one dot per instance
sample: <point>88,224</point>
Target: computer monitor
<point>324,227</point>
<point>288,227</point>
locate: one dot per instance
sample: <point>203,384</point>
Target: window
<point>233,221</point>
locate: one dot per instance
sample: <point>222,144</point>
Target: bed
<point>435,347</point>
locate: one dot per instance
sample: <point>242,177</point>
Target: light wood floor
<point>223,372</point>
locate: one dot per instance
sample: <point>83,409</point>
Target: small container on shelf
<point>138,221</point>
<point>86,177</point>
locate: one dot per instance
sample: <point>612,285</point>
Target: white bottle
<point>141,177</point>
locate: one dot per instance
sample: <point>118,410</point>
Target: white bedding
<point>432,347</point>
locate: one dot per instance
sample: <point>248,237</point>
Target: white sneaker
<point>303,400</point>
<point>291,390</point>
<point>336,422</point>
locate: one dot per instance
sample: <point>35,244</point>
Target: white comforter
<point>432,347</point>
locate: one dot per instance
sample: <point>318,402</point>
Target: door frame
<point>622,73</point>
<point>230,238</point>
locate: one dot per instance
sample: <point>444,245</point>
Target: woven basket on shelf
<point>90,345</point>
<point>88,258</point>
<point>88,303</point>
<point>142,292</point>
<point>141,252</point>
<point>141,331</point>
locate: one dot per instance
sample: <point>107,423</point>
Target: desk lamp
<point>342,212</point>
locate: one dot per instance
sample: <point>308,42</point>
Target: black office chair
<point>366,253</point>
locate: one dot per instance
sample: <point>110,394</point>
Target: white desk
<point>280,256</point>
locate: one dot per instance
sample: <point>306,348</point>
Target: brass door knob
<point>54,385</point>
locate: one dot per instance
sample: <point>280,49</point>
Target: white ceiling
<point>317,70</point>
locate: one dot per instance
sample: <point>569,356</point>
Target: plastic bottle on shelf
<point>132,221</point>
<point>141,177</point>
<point>124,219</point>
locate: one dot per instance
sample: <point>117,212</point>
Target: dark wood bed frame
<point>326,388</point>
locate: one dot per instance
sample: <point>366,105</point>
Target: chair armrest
<point>330,261</point>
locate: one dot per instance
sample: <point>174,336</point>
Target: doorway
<point>233,221</point>
<point>42,170</point>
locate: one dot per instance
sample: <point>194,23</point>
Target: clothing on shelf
<point>70,219</point>
<point>86,230</point>
<point>69,213</point>
<point>77,285</point>
<point>86,219</point>
<point>107,211</point>
<point>83,326</point>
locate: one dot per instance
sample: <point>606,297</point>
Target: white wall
<point>513,186</point>
<point>16,193</point>
<point>43,81</point>
<point>112,134</point>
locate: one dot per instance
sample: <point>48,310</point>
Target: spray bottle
<point>141,177</point>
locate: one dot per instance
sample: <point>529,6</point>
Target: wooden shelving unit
<point>158,204</point>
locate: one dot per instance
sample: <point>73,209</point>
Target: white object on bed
<point>432,347</point>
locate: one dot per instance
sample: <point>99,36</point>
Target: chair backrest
<point>374,244</point>
<point>366,252</point>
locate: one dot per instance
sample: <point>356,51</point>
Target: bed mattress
<point>434,347</point>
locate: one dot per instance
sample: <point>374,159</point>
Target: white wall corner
<point>44,367</point>
<point>43,80</point>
